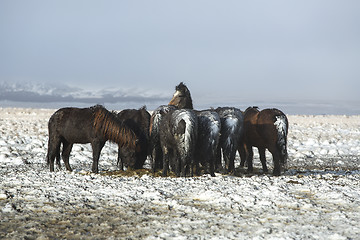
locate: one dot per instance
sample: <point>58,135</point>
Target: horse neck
<point>114,130</point>
<point>189,104</point>
<point>251,114</point>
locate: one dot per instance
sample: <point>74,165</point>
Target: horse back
<point>269,123</point>
<point>251,133</point>
<point>75,125</point>
<point>138,120</point>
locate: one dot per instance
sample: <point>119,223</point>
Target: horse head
<point>182,97</point>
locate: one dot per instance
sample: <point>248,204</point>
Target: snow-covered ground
<point>317,198</point>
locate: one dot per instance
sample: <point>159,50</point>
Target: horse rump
<point>232,128</point>
<point>178,136</point>
<point>209,127</point>
<point>156,156</point>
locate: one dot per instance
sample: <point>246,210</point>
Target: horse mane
<point>255,108</point>
<point>143,108</point>
<point>112,128</point>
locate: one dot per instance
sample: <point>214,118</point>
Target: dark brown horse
<point>138,120</point>
<point>94,125</point>
<point>266,129</point>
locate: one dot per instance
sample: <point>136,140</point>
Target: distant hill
<point>44,92</point>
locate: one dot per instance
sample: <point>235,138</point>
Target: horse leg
<point>66,154</point>
<point>179,166</point>
<point>119,161</point>
<point>191,166</point>
<point>212,164</point>
<point>229,158</point>
<point>276,159</point>
<point>53,151</point>
<point>58,159</point>
<point>152,160</point>
<point>195,166</point>
<point>263,159</point>
<point>250,155</point>
<point>218,165</point>
<point>182,168</point>
<point>232,160</point>
<point>242,154</point>
<point>156,159</point>
<point>96,147</point>
<point>165,162</point>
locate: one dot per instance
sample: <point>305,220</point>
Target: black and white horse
<point>208,130</point>
<point>156,155</point>
<point>232,130</point>
<point>178,137</point>
<point>209,127</point>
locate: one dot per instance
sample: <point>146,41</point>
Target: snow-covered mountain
<point>51,93</point>
<point>55,95</point>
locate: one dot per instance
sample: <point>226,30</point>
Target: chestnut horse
<point>138,120</point>
<point>94,125</point>
<point>266,129</point>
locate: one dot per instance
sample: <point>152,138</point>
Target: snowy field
<point>318,197</point>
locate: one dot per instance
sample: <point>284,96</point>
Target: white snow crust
<point>318,197</point>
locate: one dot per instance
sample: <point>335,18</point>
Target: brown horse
<point>266,129</point>
<point>182,97</point>
<point>94,125</point>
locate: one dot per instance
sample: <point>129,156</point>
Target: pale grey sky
<point>227,50</point>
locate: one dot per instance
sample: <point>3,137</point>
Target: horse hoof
<point>276,173</point>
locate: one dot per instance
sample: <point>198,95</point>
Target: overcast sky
<point>258,49</point>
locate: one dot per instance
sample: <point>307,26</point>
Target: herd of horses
<point>176,137</point>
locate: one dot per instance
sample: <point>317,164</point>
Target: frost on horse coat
<point>232,129</point>
<point>138,120</point>
<point>209,127</point>
<point>266,129</point>
<point>154,132</point>
<point>208,131</point>
<point>94,125</point>
<point>178,135</point>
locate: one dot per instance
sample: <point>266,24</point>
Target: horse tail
<point>281,125</point>
<point>112,128</point>
<point>155,122</point>
<point>190,131</point>
<point>187,120</point>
